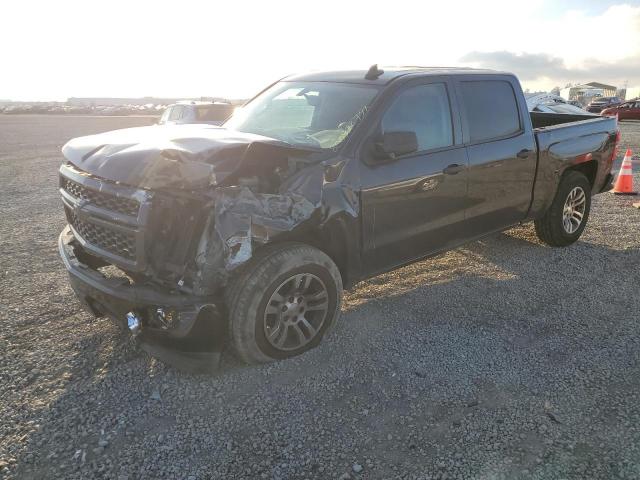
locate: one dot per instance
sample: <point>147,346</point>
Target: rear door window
<point>176,113</point>
<point>423,109</point>
<point>490,108</point>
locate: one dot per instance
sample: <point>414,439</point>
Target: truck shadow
<point>500,322</point>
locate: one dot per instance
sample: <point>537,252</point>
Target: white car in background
<point>212,113</point>
<point>550,103</point>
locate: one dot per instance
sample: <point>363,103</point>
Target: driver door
<point>414,205</point>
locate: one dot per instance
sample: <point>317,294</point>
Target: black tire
<point>551,228</point>
<point>252,290</point>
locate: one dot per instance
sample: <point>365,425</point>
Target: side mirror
<point>391,145</point>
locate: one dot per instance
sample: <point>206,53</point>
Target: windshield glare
<point>307,114</point>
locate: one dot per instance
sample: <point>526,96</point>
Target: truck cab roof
<point>389,74</point>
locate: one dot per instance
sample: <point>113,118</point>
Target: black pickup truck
<point>192,234</point>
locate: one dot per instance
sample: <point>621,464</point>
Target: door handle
<point>524,153</point>
<point>453,169</point>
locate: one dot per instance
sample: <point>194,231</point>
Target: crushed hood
<point>161,156</point>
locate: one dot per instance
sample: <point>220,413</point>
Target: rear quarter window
<point>490,108</point>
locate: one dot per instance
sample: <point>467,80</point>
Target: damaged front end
<point>155,234</point>
<point>183,330</point>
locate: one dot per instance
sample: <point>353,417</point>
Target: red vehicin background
<point>626,111</point>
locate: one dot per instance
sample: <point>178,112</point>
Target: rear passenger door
<point>501,150</point>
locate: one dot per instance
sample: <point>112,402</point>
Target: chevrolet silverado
<point>197,236</point>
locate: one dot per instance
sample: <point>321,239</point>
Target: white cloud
<point>614,35</point>
<point>575,47</point>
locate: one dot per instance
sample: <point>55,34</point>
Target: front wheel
<point>283,303</point>
<point>566,218</point>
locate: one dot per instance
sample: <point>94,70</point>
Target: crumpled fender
<point>244,220</point>
<point>244,217</point>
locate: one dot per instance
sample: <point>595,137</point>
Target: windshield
<point>307,114</point>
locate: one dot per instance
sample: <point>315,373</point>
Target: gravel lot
<point>502,359</point>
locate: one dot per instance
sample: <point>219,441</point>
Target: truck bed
<point>541,120</point>
<point>564,140</point>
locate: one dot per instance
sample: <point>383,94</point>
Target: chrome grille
<point>107,201</point>
<point>109,219</point>
<point>117,243</point>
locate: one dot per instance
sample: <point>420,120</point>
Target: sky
<point>52,50</point>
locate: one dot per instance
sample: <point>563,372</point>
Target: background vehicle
<point>600,103</point>
<point>212,113</point>
<point>320,181</point>
<point>626,111</point>
<point>550,103</point>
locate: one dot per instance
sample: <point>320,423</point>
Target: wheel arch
<point>334,238</point>
<point>589,169</point>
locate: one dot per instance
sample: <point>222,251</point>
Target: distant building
<point>583,93</point>
<point>607,90</point>
<point>633,93</point>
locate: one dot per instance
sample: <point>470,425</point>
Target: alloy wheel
<point>574,208</point>
<point>296,311</point>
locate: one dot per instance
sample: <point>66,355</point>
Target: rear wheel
<point>283,303</point>
<point>566,218</point>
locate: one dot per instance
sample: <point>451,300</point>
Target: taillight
<point>615,146</point>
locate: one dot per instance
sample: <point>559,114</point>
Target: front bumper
<point>194,340</point>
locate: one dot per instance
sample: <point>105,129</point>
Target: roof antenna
<point>374,72</point>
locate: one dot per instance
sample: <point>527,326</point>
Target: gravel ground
<point>502,359</point>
